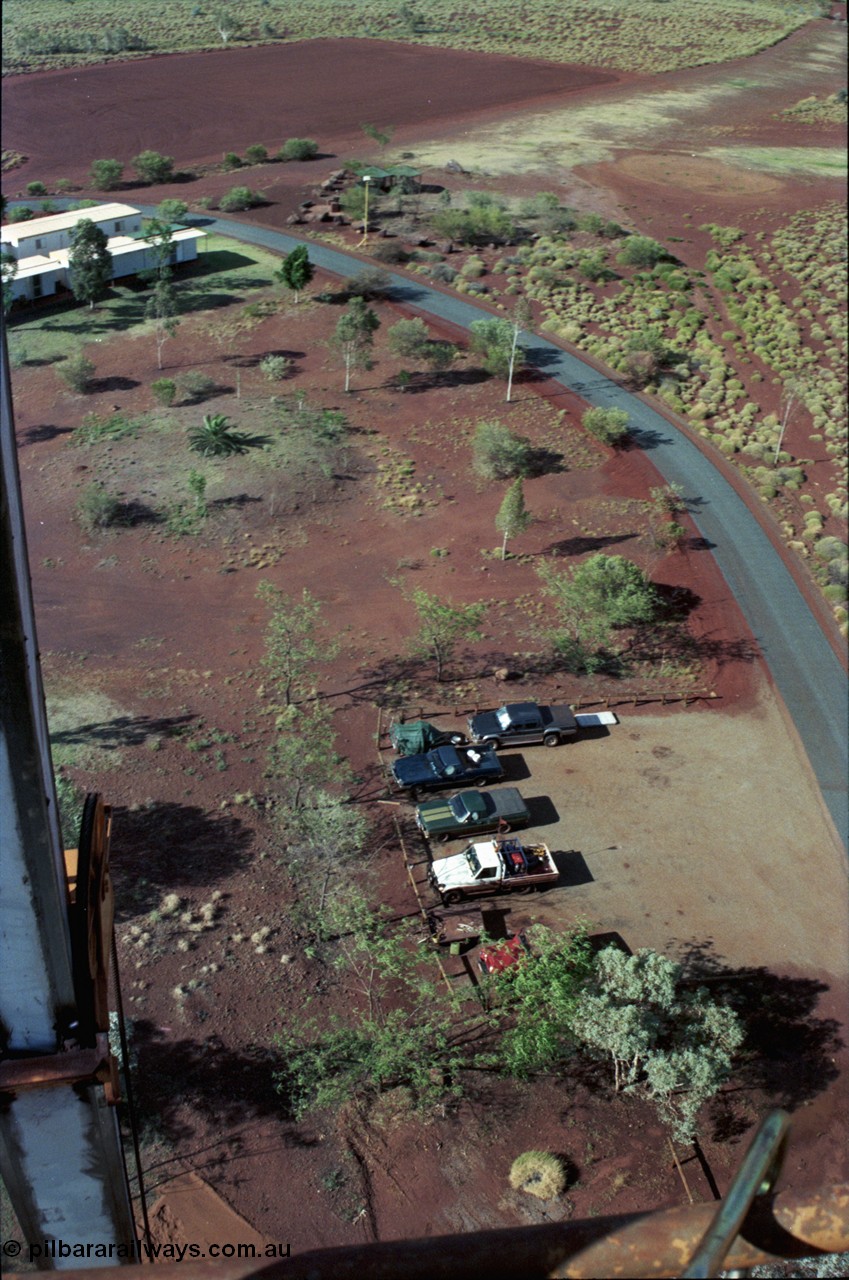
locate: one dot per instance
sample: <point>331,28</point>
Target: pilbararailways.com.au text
<point>48,1248</point>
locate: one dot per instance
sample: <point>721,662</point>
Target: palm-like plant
<point>217,438</point>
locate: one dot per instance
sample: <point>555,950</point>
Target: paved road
<point>803,664</point>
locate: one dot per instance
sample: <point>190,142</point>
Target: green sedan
<point>473,812</point>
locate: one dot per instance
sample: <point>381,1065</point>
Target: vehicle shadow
<point>542,810</point>
<point>573,869</point>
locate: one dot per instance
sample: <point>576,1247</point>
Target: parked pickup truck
<point>520,723</point>
<point>494,866</point>
<point>473,813</point>
<point>447,767</point>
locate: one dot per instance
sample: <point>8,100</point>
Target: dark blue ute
<point>447,766</point>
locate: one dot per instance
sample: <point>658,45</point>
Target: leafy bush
<point>640,251</point>
<point>371,282</point>
<point>231,161</point>
<point>539,1173</point>
<point>71,800</point>
<point>106,175</point>
<point>256,153</point>
<point>498,453</point>
<point>390,251</point>
<point>20,213</point>
<point>77,372</point>
<point>97,509</point>
<point>36,189</point>
<point>164,390</point>
<point>217,437</point>
<point>238,198</point>
<point>171,210</point>
<point>485,221</point>
<point>153,167</point>
<point>276,368</point>
<point>610,426</point>
<point>194,387</point>
<point>298,149</point>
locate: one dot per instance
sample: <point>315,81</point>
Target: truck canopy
<point>416,737</point>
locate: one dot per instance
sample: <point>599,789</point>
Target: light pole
<point>366,181</point>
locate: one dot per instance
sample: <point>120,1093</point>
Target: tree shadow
<point>424,380</point>
<point>123,731</point>
<point>545,462</point>
<point>133,513</point>
<point>223,1085</point>
<point>43,433</point>
<point>583,543</point>
<point>788,1053</point>
<point>114,383</point>
<point>160,846</point>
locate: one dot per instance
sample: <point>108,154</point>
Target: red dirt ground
<point>171,631</point>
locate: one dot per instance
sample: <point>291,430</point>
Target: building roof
<point>59,259</point>
<point>14,232</point>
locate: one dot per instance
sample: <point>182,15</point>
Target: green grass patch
<point>823,162</point>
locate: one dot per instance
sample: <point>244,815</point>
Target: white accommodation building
<point>41,247</point>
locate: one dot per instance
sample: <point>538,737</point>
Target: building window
<point>36,286</point>
<point>119,227</point>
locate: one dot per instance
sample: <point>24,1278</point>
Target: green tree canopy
<point>497,341</point>
<point>296,270</point>
<point>591,601</point>
<point>354,337</point>
<point>670,1040</point>
<point>153,167</point>
<point>106,175</point>
<point>90,262</point>
<point>442,626</point>
<point>295,642</point>
<point>640,251</point>
<point>513,516</point>
<point>499,453</point>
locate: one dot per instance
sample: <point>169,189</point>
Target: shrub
<point>231,161</point>
<point>473,268</point>
<point>77,373</point>
<point>539,1173</point>
<point>276,368</point>
<point>256,153</point>
<point>97,509</point>
<point>498,453</point>
<point>36,189</point>
<point>371,282</point>
<point>238,198</point>
<point>106,175</point>
<point>640,251</point>
<point>194,386</point>
<point>442,272</point>
<point>171,210</point>
<point>217,438</point>
<point>153,167</point>
<point>21,213</point>
<point>298,149</point>
<point>390,251</point>
<point>610,426</point>
<point>164,390</point>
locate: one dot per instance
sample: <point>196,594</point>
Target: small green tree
<point>90,262</point>
<point>164,391</point>
<point>408,338</point>
<point>295,642</point>
<point>226,24</point>
<point>296,270</point>
<point>592,601</point>
<point>77,373</point>
<point>610,426</point>
<point>97,508</point>
<point>237,199</point>
<point>298,149</point>
<point>442,626</point>
<point>256,153</point>
<point>197,488</point>
<point>497,341</point>
<point>161,309</point>
<point>354,337</point>
<point>106,175</point>
<point>170,211</point>
<point>8,271</point>
<point>217,438</point>
<point>513,516</point>
<point>153,167</point>
<point>640,251</point>
<point>499,453</point>
<point>381,136</point>
<point>672,1041</point>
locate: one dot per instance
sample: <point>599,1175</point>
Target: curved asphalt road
<point>803,664</point>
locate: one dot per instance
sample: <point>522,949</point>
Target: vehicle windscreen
<point>444,762</point>
<point>472,859</point>
<point>503,717</point>
<point>459,809</point>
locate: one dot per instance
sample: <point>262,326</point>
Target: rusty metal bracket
<point>70,1067</point>
<point>756,1177</point>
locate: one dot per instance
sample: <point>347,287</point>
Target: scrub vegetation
<point>633,35</point>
